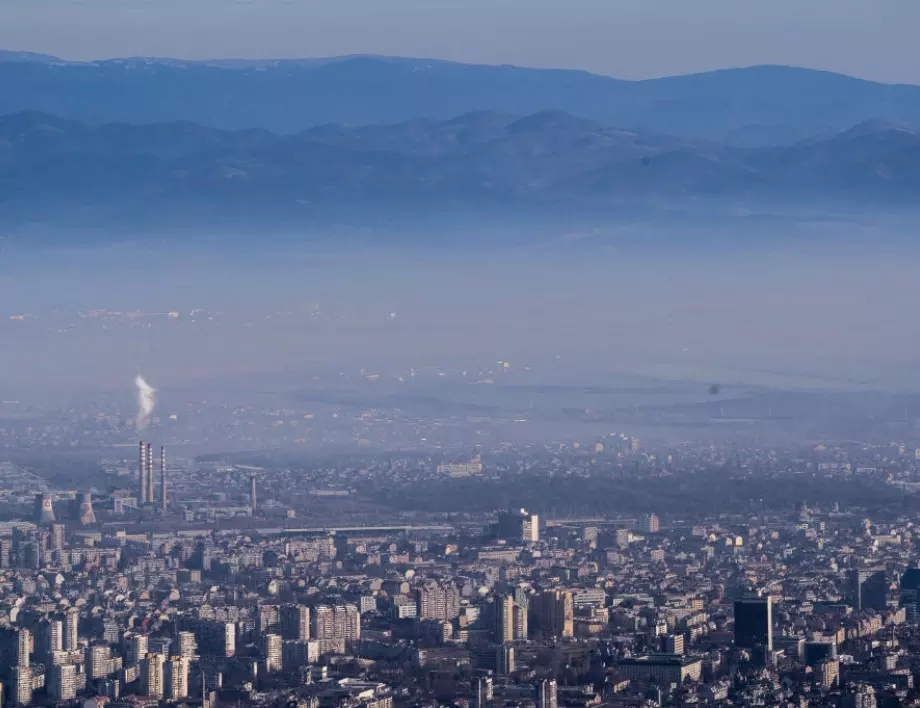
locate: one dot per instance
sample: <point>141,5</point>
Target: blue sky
<point>629,38</point>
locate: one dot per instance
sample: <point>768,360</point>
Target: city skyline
<point>472,386</point>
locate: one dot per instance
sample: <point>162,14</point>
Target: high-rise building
<point>504,659</point>
<point>519,526</point>
<point>163,478</point>
<point>269,619</point>
<point>253,500</point>
<point>754,623</point>
<point>160,645</point>
<point>71,629</point>
<point>348,622</point>
<point>136,646</point>
<point>546,694</point>
<point>650,523</point>
<point>229,635</point>
<point>175,678</point>
<point>32,553</point>
<point>511,619</point>
<point>151,676</point>
<point>57,536</point>
<point>213,637</point>
<point>23,646</point>
<point>272,648</point>
<point>521,624</point>
<point>674,643</point>
<point>530,529</point>
<point>20,686</point>
<point>49,639</point>
<point>909,597</point>
<point>323,621</point>
<point>828,673</point>
<point>554,613</point>
<point>334,627</point>
<point>63,682</point>
<point>482,692</point>
<point>185,645</point>
<point>111,632</point>
<point>296,653</point>
<point>295,622</point>
<point>867,590</point>
<point>99,662</point>
<point>504,630</point>
<point>438,601</point>
<point>520,621</point>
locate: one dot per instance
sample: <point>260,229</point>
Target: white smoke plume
<point>146,402</point>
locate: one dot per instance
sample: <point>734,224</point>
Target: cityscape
<point>459,354</point>
<point>594,571</point>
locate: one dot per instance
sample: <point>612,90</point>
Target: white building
<point>152,676</point>
<point>175,678</point>
<point>63,684</point>
<point>272,647</point>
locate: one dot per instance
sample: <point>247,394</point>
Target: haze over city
<point>423,354</point>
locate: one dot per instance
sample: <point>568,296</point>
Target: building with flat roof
<point>754,623</point>
<point>662,668</point>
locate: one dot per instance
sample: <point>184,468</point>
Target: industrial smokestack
<point>87,515</point>
<point>163,478</point>
<point>142,474</point>
<point>151,480</point>
<point>45,513</point>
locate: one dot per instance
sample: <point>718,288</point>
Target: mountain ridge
<point>55,170</point>
<point>244,63</point>
<point>751,106</point>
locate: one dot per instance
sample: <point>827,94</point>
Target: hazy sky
<point>782,311</point>
<point>630,38</point>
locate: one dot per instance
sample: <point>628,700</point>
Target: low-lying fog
<point>827,306</point>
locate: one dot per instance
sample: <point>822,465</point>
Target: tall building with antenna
<point>163,478</point>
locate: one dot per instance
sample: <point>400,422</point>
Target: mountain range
<point>57,170</point>
<point>756,106</point>
<point>170,143</point>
